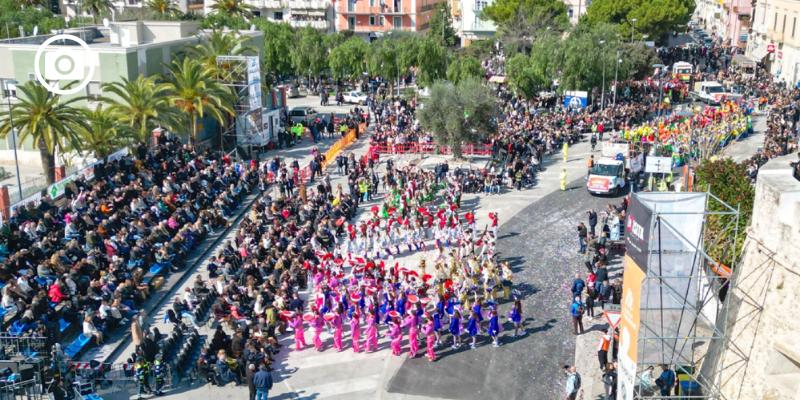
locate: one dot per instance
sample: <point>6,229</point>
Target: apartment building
<point>371,18</point>
<point>775,38</point>
<point>467,21</point>
<point>728,21</point>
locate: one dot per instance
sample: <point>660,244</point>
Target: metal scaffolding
<point>684,301</point>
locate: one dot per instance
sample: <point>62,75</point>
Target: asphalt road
<point>541,244</point>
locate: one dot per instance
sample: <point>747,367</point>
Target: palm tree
<point>220,44</point>
<point>97,7</point>
<point>195,91</point>
<point>141,104</point>
<point>233,8</point>
<point>103,134</point>
<point>41,117</point>
<point>164,8</point>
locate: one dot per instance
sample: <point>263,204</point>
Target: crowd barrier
<point>430,148</point>
<point>304,174</point>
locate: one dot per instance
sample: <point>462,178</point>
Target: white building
<point>576,9</point>
<point>317,14</point>
<point>775,38</point>
<point>467,21</point>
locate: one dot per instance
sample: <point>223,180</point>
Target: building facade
<point>576,9</point>
<point>775,38</point>
<point>467,21</point>
<point>371,18</point>
<point>317,14</point>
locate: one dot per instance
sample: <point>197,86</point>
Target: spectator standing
<point>666,380</point>
<point>263,383</point>
<point>573,382</point>
<point>576,310</point>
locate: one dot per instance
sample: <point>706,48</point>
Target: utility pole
<point>14,141</point>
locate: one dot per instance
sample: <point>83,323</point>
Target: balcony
<point>316,24</point>
<point>308,5</point>
<point>269,4</point>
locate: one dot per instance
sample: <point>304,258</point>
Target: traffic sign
<point>770,48</point>
<point>613,318</point>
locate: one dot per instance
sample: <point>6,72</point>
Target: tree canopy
<point>348,60</point>
<point>654,18</point>
<point>440,26</point>
<point>464,67</point>
<point>459,114</point>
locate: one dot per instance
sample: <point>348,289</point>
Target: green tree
<point>382,59</point>
<point>654,18</point>
<point>140,104</point>
<point>309,52</point>
<point>14,14</point>
<point>348,59</point>
<point>522,78</point>
<point>46,120</point>
<point>163,8</point>
<point>233,8</point>
<point>521,22</point>
<point>97,8</point>
<point>219,20</point>
<point>278,47</point>
<point>432,61</point>
<point>103,134</point>
<point>727,180</point>
<point>407,52</point>
<point>440,26</point>
<point>459,114</point>
<point>194,91</point>
<point>219,43</point>
<point>464,67</point>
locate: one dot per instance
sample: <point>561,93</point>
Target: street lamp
<point>13,140</point>
<point>603,92</point>
<point>616,82</point>
<point>633,28</point>
<point>660,85</point>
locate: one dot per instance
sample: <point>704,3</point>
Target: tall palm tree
<point>233,8</point>
<point>96,7</point>
<point>164,8</point>
<point>221,44</point>
<point>103,134</point>
<point>195,91</point>
<point>141,104</point>
<point>51,124</point>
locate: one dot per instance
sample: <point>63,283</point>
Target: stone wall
<point>762,358</point>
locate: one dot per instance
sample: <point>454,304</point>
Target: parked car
<point>302,114</point>
<point>355,97</point>
<point>292,91</point>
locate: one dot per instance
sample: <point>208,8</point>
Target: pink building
<point>367,17</point>
<point>739,14</point>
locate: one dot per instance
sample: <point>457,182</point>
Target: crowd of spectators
<point>86,258</point>
<point>781,136</point>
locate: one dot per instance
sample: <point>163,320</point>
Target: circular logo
<point>64,64</point>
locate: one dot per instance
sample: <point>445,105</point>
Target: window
<point>9,87</point>
<point>397,5</point>
<point>794,25</point>
<point>397,22</point>
<point>569,12</point>
<point>372,21</point>
<point>380,20</point>
<point>480,5</point>
<point>351,5</point>
<point>277,16</point>
<point>351,23</point>
<point>93,91</point>
<point>783,28</point>
<point>372,3</point>
<point>775,22</point>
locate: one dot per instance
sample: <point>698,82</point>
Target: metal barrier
<point>430,148</point>
<point>26,346</point>
<point>25,390</point>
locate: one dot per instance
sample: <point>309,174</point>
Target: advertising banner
<point>658,165</point>
<point>576,99</point>
<point>254,82</point>
<point>598,183</point>
<point>632,279</point>
<point>637,231</point>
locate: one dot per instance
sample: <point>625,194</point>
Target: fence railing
<point>430,148</point>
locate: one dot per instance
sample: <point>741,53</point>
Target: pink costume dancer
<point>299,334</point>
<point>430,339</point>
<point>411,323</point>
<point>319,324</point>
<point>337,332</point>
<point>372,334</point>
<point>396,335</point>
<point>355,332</point>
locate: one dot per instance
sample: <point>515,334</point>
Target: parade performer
<point>296,323</point>
<point>472,328</point>
<point>355,332</point>
<point>411,322</point>
<point>455,328</point>
<point>516,317</point>
<point>337,329</point>
<point>430,338</point>
<point>395,333</point>
<point>318,324</point>
<point>372,332</point>
<point>494,328</point>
